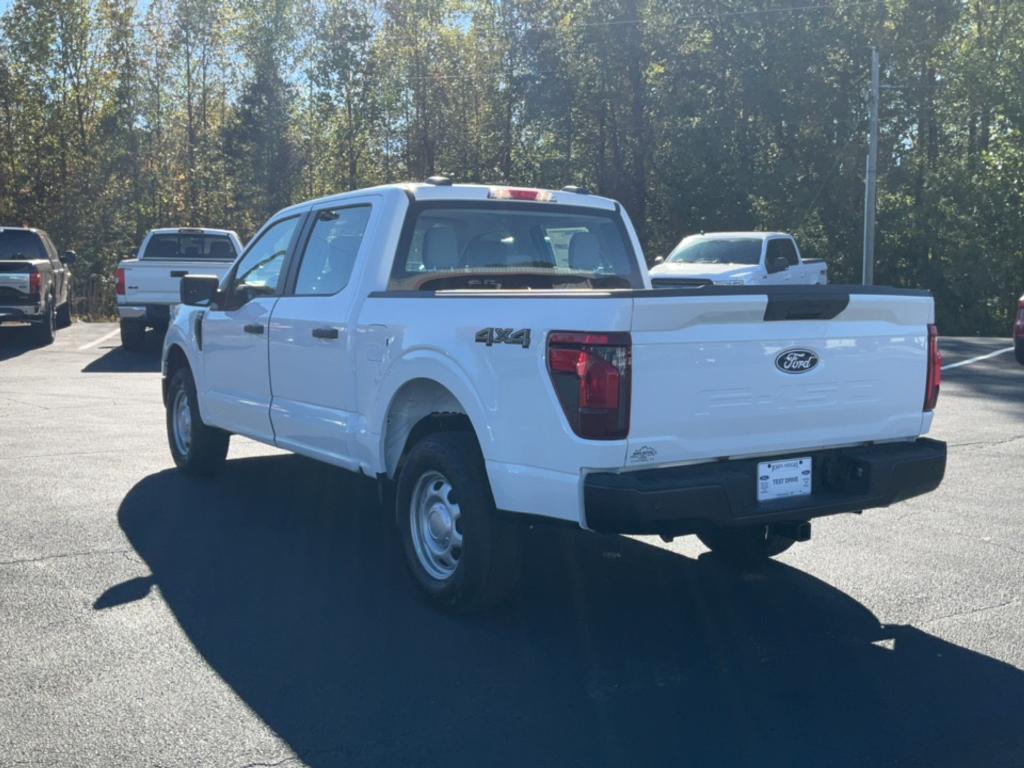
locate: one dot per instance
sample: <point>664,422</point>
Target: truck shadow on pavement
<point>120,360</point>
<point>17,340</point>
<point>287,577</point>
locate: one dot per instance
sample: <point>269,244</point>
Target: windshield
<point>717,250</point>
<point>190,247</point>
<point>20,245</point>
<point>513,245</point>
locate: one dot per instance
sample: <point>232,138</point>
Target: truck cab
<point>738,258</point>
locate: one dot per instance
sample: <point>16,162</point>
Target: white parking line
<point>970,360</point>
<point>100,340</point>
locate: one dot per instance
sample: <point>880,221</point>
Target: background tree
<point>695,114</point>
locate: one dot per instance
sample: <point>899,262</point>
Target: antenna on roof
<point>439,181</point>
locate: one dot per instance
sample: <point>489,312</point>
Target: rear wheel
<point>745,546</point>
<point>45,329</point>
<point>133,334</point>
<point>461,551</point>
<point>64,313</point>
<point>197,448</point>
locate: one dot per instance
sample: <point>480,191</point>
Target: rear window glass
<point>185,247</point>
<point>513,245</point>
<point>19,245</point>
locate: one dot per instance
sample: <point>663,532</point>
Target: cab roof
<point>729,235</point>
<point>425,191</point>
<point>191,231</point>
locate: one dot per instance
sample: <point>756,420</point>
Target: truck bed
<point>156,281</point>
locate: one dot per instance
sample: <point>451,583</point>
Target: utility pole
<point>872,173</point>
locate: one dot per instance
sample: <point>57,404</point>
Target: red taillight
<point>120,282</point>
<point>35,284</point>
<point>931,391</point>
<point>591,376</point>
<point>1018,326</point>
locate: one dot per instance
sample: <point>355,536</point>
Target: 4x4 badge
<point>643,453</point>
<point>492,336</point>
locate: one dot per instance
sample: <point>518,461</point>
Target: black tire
<point>1018,350</point>
<point>745,546</point>
<point>204,451</point>
<point>490,555</point>
<point>64,313</point>
<point>133,335</point>
<point>45,329</point>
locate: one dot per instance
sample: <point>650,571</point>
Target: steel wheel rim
<point>434,520</point>
<point>182,422</point>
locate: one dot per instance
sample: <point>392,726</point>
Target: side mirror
<point>69,257</point>
<point>777,264</point>
<point>198,290</point>
<point>659,260</point>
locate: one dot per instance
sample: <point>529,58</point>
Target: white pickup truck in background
<point>738,258</point>
<point>495,354</point>
<point>148,285</point>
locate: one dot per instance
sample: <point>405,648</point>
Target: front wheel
<point>462,552</point>
<point>745,546</point>
<point>197,448</point>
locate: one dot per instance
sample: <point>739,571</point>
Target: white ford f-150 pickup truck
<point>738,258</point>
<point>495,354</point>
<point>148,285</point>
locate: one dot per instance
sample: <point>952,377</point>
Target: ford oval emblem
<point>796,361</point>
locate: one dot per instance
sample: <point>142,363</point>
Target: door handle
<point>325,333</point>
<point>254,328</point>
<point>179,272</point>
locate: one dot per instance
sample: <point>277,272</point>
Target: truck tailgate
<point>755,371</point>
<point>14,281</point>
<point>157,282</point>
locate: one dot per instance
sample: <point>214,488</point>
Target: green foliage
<point>116,117</point>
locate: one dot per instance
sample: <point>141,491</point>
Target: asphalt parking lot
<point>265,617</point>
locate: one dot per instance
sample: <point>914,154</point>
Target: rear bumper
<point>149,313</point>
<point>682,500</point>
<point>20,312</point>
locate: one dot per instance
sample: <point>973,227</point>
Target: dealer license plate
<point>783,478</point>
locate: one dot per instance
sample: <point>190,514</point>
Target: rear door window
<point>49,249</point>
<point>189,247</point>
